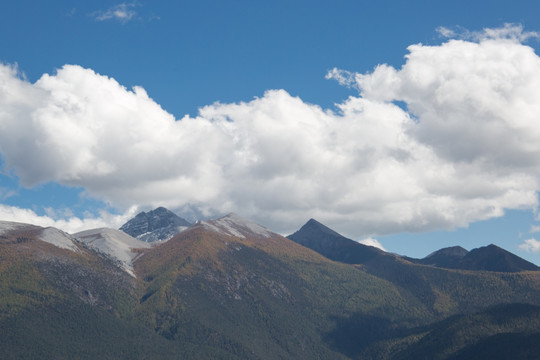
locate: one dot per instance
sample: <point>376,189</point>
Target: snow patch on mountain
<point>59,238</point>
<point>7,226</point>
<point>50,235</point>
<point>161,235</point>
<point>235,225</point>
<point>114,243</point>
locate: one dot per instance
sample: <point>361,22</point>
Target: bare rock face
<point>156,225</point>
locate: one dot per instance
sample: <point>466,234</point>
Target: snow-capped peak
<point>235,225</point>
<point>50,235</point>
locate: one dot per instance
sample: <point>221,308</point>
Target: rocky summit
<point>156,225</point>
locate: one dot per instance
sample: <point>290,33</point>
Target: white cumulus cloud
<point>70,224</point>
<point>465,148</point>
<point>530,245</point>
<point>372,242</point>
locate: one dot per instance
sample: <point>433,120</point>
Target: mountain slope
<point>157,225</point>
<point>259,294</point>
<point>499,332</point>
<point>443,291</point>
<point>114,243</point>
<point>59,302</point>
<point>44,265</point>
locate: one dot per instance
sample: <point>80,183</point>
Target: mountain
<point>444,292</point>
<point>494,258</point>
<point>56,260</point>
<point>332,245</point>
<point>261,295</point>
<point>60,299</point>
<point>447,257</point>
<point>156,225</point>
<point>487,258</point>
<point>233,289</point>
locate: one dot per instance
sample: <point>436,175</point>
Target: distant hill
<point>157,225</point>
<point>487,258</point>
<point>447,258</point>
<point>494,258</point>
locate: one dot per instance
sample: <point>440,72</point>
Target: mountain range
<point>334,246</point>
<point>232,289</point>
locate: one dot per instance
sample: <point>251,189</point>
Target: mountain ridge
<point>335,246</point>
<point>231,288</point>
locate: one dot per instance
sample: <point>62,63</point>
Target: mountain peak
<point>486,258</point>
<point>495,258</point>
<point>327,242</point>
<point>456,251</point>
<point>314,225</point>
<point>448,257</point>
<point>157,225</point>
<point>236,225</point>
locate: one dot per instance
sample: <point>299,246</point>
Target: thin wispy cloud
<point>122,13</point>
<point>509,31</point>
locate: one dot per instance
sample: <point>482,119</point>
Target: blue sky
<point>279,111</point>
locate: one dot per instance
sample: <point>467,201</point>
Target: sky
<point>408,125</point>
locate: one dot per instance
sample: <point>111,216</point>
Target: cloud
<point>534,229</point>
<point>343,77</point>
<point>6,193</point>
<point>465,147</point>
<point>123,13</point>
<point>530,245</point>
<point>446,32</point>
<point>372,242</point>
<point>70,224</point>
<point>512,32</point>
